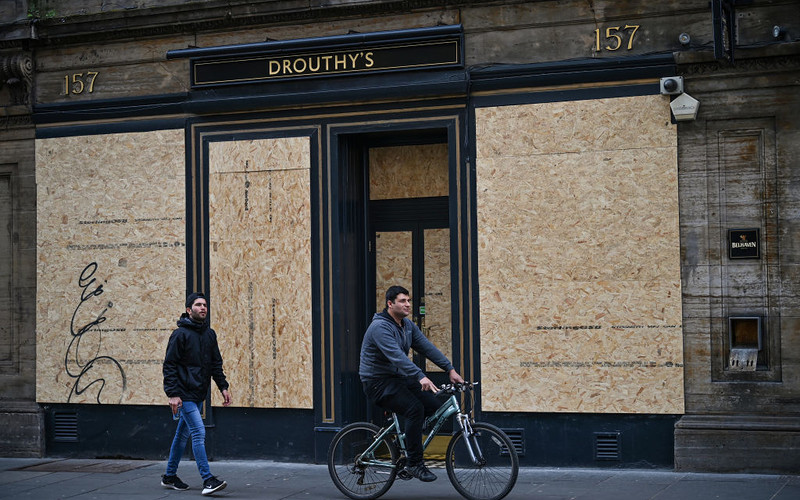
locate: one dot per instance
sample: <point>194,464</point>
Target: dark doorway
<point>394,230</point>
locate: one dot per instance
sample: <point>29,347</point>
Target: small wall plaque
<point>744,243</point>
<point>745,360</point>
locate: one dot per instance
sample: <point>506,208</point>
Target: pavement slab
<point>45,479</point>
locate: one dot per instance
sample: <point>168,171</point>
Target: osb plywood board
<point>260,265</point>
<point>437,292</point>
<point>391,170</point>
<point>257,155</point>
<point>574,126</point>
<point>393,263</point>
<point>578,250</point>
<point>111,260</point>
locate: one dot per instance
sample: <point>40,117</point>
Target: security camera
<point>684,107</point>
<point>672,85</point>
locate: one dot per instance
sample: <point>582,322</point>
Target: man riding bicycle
<point>393,381</point>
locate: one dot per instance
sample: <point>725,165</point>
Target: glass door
<point>418,259</point>
<point>408,186</point>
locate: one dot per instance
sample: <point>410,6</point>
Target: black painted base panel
<point>146,432</point>
<point>591,440</point>
<point>544,439</point>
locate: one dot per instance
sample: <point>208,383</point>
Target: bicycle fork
<point>470,440</point>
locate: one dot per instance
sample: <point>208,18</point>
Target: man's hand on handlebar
<point>428,385</point>
<point>455,378</point>
<point>457,387</point>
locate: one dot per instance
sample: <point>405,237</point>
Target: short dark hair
<point>394,291</point>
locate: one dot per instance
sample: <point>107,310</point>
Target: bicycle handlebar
<point>453,388</point>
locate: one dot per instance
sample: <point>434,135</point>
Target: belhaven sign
<point>744,243</point>
<point>356,60</point>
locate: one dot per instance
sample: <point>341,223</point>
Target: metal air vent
<point>606,445</point>
<point>65,426</point>
<point>517,437</point>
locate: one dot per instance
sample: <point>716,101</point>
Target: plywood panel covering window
<point>111,264</point>
<point>392,262</point>
<point>260,268</point>
<point>416,171</point>
<point>437,293</point>
<point>580,291</point>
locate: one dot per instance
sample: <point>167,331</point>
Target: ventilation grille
<point>606,446</point>
<point>65,426</point>
<point>517,437</point>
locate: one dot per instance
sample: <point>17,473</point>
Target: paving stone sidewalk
<point>44,479</point>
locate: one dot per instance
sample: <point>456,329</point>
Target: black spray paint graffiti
<point>91,370</point>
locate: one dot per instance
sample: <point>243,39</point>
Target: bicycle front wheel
<point>360,475</point>
<point>493,472</point>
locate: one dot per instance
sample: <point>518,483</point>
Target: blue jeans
<point>190,423</point>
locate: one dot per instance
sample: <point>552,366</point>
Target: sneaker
<point>213,485</point>
<point>173,482</point>
<point>421,472</point>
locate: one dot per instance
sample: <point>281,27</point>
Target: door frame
<point>345,204</point>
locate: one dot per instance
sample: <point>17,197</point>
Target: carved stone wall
<point>22,431</point>
<point>16,77</point>
<point>739,169</point>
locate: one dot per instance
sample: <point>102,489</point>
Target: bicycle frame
<point>448,408</point>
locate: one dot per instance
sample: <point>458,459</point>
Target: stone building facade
<point>595,205</point>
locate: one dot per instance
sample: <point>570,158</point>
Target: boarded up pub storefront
<point>590,204</point>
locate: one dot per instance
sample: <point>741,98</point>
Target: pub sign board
<point>336,56</point>
<point>744,243</point>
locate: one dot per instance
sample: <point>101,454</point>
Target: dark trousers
<point>405,397</point>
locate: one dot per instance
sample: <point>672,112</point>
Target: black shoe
<point>421,472</point>
<point>173,482</point>
<point>213,485</point>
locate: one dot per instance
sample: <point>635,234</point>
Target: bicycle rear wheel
<point>354,477</point>
<point>494,475</point>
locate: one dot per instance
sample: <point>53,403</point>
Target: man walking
<point>192,360</point>
<point>393,381</point>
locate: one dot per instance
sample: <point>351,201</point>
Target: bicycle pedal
<point>404,475</point>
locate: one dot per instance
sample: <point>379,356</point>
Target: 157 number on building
<point>77,83</point>
<point>615,37</point>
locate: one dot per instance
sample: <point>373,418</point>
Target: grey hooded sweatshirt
<point>384,350</point>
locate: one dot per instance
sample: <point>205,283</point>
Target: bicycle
<point>482,464</point>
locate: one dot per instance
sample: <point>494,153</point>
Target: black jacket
<point>191,361</point>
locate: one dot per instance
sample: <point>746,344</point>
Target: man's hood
<point>385,316</point>
<point>188,322</point>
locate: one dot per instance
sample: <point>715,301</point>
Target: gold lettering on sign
<point>307,65</point>
<point>615,37</point>
<point>77,83</point>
